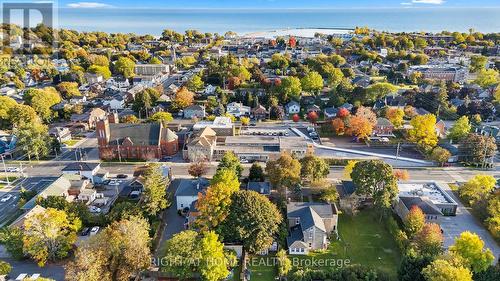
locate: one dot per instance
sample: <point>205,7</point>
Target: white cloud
<point>406,3</point>
<point>88,5</point>
<point>434,2</point>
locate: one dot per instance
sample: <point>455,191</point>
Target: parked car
<point>94,230</point>
<point>12,169</point>
<point>6,198</point>
<point>94,209</point>
<point>114,182</point>
<point>85,231</point>
<point>121,176</point>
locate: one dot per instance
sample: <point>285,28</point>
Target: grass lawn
<point>71,142</point>
<point>3,181</point>
<point>363,240</point>
<point>262,271</point>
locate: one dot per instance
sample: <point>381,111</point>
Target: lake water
<point>149,21</point>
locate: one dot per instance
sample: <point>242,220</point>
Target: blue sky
<point>266,4</point>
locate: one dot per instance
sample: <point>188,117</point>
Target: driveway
<point>174,222</point>
<point>52,271</point>
<point>465,221</point>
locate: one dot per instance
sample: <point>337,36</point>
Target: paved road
<point>52,271</point>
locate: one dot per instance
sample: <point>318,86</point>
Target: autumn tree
<point>487,77</point>
<point>440,155</point>
<point>477,149</point>
<point>375,178</point>
<point>283,172</point>
<point>429,240</point>
<point>460,129</point>
<point>33,139</point>
<point>253,221</point>
<point>198,169</point>
<point>290,88</point>
<point>314,168</point>
<point>477,187</point>
<point>68,89</point>
<point>401,174</point>
<point>414,221</point>
<point>368,114</point>
<point>395,115</point>
<point>470,248</point>
<point>132,119</point>
<point>118,252</point>
<point>346,175</point>
<point>183,98</point>
<point>7,104</point>
<point>284,264</point>
<point>423,131</point>
<point>359,127</point>
<point>443,270</point>
<point>154,198</point>
<point>49,235</point>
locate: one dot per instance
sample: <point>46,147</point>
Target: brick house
<point>135,141</point>
<point>384,127</point>
<point>260,112</point>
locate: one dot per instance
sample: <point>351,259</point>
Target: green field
<point>365,241</point>
<point>262,268</point>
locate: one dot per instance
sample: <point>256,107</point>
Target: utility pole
<point>397,150</point>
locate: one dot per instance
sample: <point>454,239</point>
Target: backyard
<point>363,240</point>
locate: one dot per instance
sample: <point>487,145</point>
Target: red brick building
<point>135,141</point>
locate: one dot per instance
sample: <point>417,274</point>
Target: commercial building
<point>446,72</point>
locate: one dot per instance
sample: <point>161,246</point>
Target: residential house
<point>263,188</point>
<point>260,112</point>
<point>187,190</point>
<point>194,110</point>
<point>383,128</point>
<point>201,146</point>
<point>310,226</point>
<point>118,82</point>
<point>237,109</point>
<point>115,102</point>
<point>292,107</point>
<point>90,118</point>
<point>441,129</point>
<point>62,134</point>
<point>93,78</point>
<point>135,141</point>
<point>330,112</point>
<point>314,108</point>
<point>85,169</point>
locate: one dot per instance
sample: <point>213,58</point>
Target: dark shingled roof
<point>139,134</point>
<point>427,207</point>
<point>310,214</point>
<point>259,187</point>
<point>189,187</point>
<point>81,166</point>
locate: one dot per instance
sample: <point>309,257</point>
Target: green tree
<point>477,63</point>
<point>154,198</point>
<point>43,100</point>
<point>5,268</point>
<point>290,88</point>
<point>232,162</point>
<point>118,252</point>
<point>49,235</point>
<point>12,239</point>
<point>330,195</point>
<point>253,221</point>
<point>256,173</point>
<point>411,266</point>
<point>283,262</point>
<point>163,117</point>
<point>312,82</point>
<point>376,179</point>
<point>195,83</point>
<point>379,90</point>
<point>101,70</point>
<point>487,77</point>
<point>314,168</point>
<point>125,66</point>
<point>33,139</point>
<point>460,129</point>
<point>442,270</point>
<point>283,172</point>
<point>182,254</point>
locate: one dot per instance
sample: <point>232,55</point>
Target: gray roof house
<point>263,188</point>
<point>187,190</point>
<point>310,225</point>
<point>194,111</point>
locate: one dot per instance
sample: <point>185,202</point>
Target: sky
<point>275,4</point>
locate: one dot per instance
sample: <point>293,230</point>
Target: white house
<point>85,169</point>
<point>93,78</point>
<point>187,191</point>
<point>237,109</point>
<point>209,90</point>
<point>292,107</point>
<point>115,102</point>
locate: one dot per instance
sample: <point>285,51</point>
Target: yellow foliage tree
<point>423,131</point>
